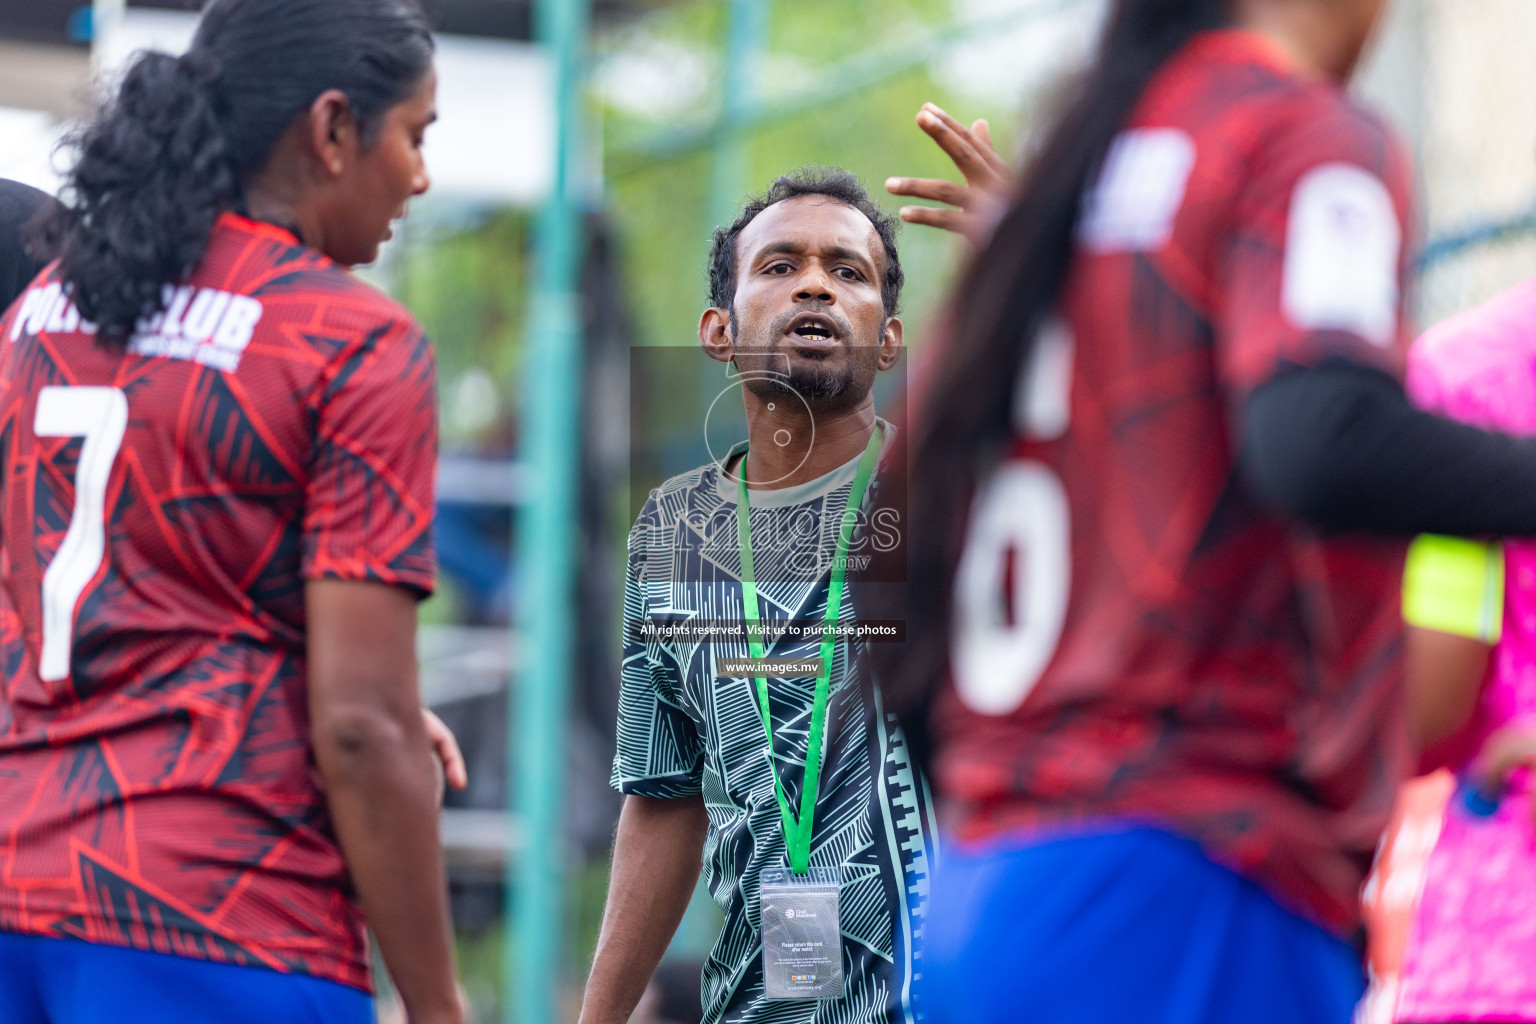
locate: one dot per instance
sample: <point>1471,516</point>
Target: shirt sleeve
<point>1462,370</point>
<point>1316,265</point>
<point>370,499</point>
<point>660,753</point>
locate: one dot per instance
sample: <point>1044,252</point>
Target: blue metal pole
<point>865,70</point>
<point>550,446</point>
<point>106,22</point>
<point>746,30</point>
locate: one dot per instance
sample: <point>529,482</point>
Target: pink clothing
<point>1471,954</point>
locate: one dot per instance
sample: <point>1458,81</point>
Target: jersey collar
<point>232,221</point>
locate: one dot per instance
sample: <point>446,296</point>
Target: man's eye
<point>779,268</point>
<point>848,273</point>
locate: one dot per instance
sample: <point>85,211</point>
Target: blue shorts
<point>62,981</point>
<point>1121,925</point>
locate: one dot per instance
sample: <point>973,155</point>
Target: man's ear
<point>333,131</point>
<point>715,334</point>
<point>890,343</point>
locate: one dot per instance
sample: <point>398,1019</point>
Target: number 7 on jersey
<point>100,416</point>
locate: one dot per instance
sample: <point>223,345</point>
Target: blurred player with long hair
<point>1162,476</point>
<point>218,450</point>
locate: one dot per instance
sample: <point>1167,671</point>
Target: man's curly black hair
<point>832,182</point>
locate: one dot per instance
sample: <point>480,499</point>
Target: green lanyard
<point>797,831</point>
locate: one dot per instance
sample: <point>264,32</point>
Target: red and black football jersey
<point>1138,637</point>
<point>161,510</point>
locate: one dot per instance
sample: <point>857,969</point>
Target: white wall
<point>1458,78</point>
<point>493,142</point>
<point>30,139</point>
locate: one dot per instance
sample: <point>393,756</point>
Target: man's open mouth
<point>813,331</point>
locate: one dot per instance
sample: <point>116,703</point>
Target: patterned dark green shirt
<point>684,730</point>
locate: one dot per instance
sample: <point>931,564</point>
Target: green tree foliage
<point>468,287</point>
<point>662,203</point>
<point>852,75</point>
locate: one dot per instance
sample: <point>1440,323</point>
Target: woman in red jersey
<point>218,452</point>
<point>1163,473</point>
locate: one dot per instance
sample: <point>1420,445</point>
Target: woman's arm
<point>1339,445</point>
<point>373,750</point>
<point>1445,676</point>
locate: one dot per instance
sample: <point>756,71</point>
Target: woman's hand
<point>1510,747</point>
<point>463,1013</point>
<point>450,759</point>
<point>980,202</point>
<point>392,1011</point>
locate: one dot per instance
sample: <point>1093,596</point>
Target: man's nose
<point>815,284</point>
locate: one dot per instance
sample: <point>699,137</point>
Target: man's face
<point>808,302</point>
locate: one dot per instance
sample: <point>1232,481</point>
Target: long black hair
<point>173,149</point>
<point>963,423</point>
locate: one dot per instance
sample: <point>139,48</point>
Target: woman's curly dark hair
<point>173,148</point>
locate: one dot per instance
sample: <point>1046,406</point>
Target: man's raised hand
<point>988,181</point>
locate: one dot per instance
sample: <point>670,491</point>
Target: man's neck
<point>787,446</point>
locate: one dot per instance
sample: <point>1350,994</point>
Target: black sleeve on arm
<point>1339,445</point>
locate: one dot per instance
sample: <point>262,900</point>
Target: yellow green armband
<point>1455,586</point>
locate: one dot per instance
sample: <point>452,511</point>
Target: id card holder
<point>802,935</point>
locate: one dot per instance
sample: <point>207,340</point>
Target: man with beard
<point>790,779</point>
